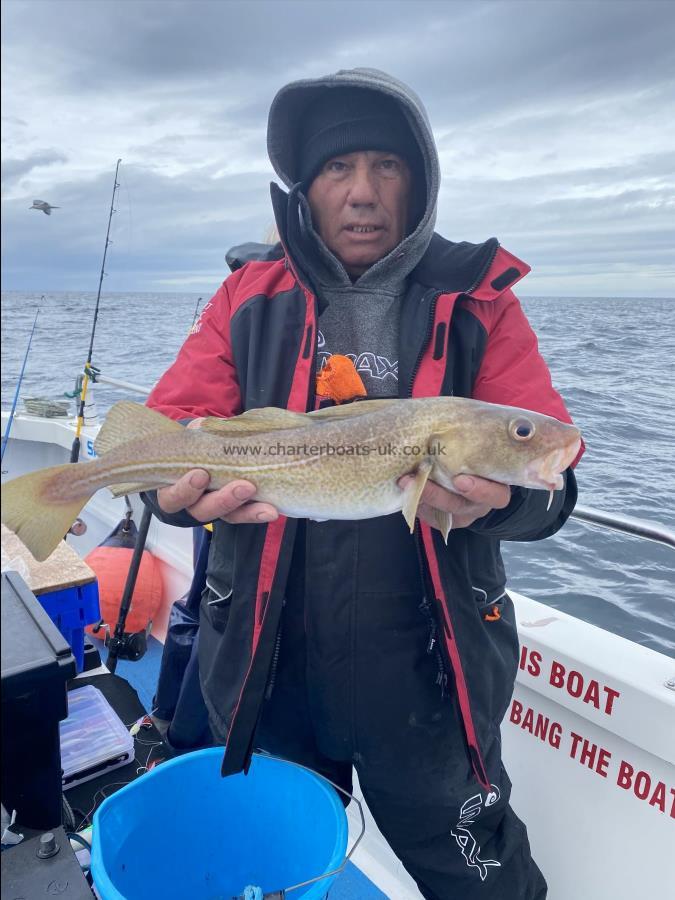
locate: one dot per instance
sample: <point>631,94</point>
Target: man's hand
<point>230,503</point>
<point>475,498</point>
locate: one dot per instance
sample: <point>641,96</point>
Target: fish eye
<point>521,429</point>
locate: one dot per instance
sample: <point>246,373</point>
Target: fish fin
<point>413,492</point>
<point>30,510</point>
<point>255,421</point>
<point>347,410</point>
<point>271,418</point>
<point>443,522</point>
<point>121,490</point>
<point>126,421</point>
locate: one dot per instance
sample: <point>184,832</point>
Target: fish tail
<point>41,506</point>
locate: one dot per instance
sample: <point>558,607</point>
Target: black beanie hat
<point>345,120</point>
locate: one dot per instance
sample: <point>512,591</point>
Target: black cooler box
<point>36,664</point>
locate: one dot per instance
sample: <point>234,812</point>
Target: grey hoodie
<point>358,319</point>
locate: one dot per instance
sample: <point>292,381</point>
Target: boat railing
<point>643,528</point>
<point>125,385</point>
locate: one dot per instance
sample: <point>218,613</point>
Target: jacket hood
<point>283,133</point>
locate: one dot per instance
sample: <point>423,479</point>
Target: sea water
<point>612,359</point>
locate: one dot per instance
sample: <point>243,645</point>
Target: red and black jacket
<point>462,333</point>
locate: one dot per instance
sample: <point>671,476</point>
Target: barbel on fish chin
<point>342,462</point>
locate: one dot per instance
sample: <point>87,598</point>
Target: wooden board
<point>62,570</point>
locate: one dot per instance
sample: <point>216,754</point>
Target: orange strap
<point>496,615</point>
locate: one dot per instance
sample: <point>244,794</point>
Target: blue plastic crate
<point>70,610</point>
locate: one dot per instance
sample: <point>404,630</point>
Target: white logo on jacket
<point>367,363</point>
<point>466,842</point>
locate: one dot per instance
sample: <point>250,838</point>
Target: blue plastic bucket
<point>181,832</point>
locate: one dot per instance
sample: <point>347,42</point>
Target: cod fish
<point>341,462</point>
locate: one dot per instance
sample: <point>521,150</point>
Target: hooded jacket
<point>461,332</point>
<point>358,318</point>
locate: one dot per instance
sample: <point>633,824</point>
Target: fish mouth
<point>546,472</point>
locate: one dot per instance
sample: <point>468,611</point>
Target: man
<point>356,644</point>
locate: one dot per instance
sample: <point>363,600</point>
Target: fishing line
<point>124,184</point>
<point>144,767</point>
<point>18,384</point>
<point>88,373</point>
<point>104,796</point>
<point>102,790</point>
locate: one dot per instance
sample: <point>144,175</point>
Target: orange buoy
<point>110,561</point>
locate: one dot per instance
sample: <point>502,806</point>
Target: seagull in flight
<point>44,206</point>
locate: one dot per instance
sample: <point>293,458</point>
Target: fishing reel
<point>130,645</point>
<point>93,372</point>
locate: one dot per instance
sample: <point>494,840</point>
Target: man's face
<point>360,204</point>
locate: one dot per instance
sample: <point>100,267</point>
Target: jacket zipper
<point>310,298</point>
<point>275,656</point>
<point>443,656</point>
<point>311,387</point>
<point>427,337</point>
<point>484,270</point>
<point>433,646</point>
<point>426,608</point>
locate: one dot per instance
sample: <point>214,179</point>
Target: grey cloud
<point>13,170</point>
<point>174,41</point>
<point>581,221</point>
<point>509,86</point>
<point>487,51</point>
<point>512,55</point>
<point>468,60</point>
<point>13,122</point>
<point>163,227</point>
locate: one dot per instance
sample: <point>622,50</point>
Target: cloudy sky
<point>555,123</point>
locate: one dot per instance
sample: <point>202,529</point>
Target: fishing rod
<point>75,449</point>
<point>194,319</point>
<point>18,384</point>
<point>120,644</point>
